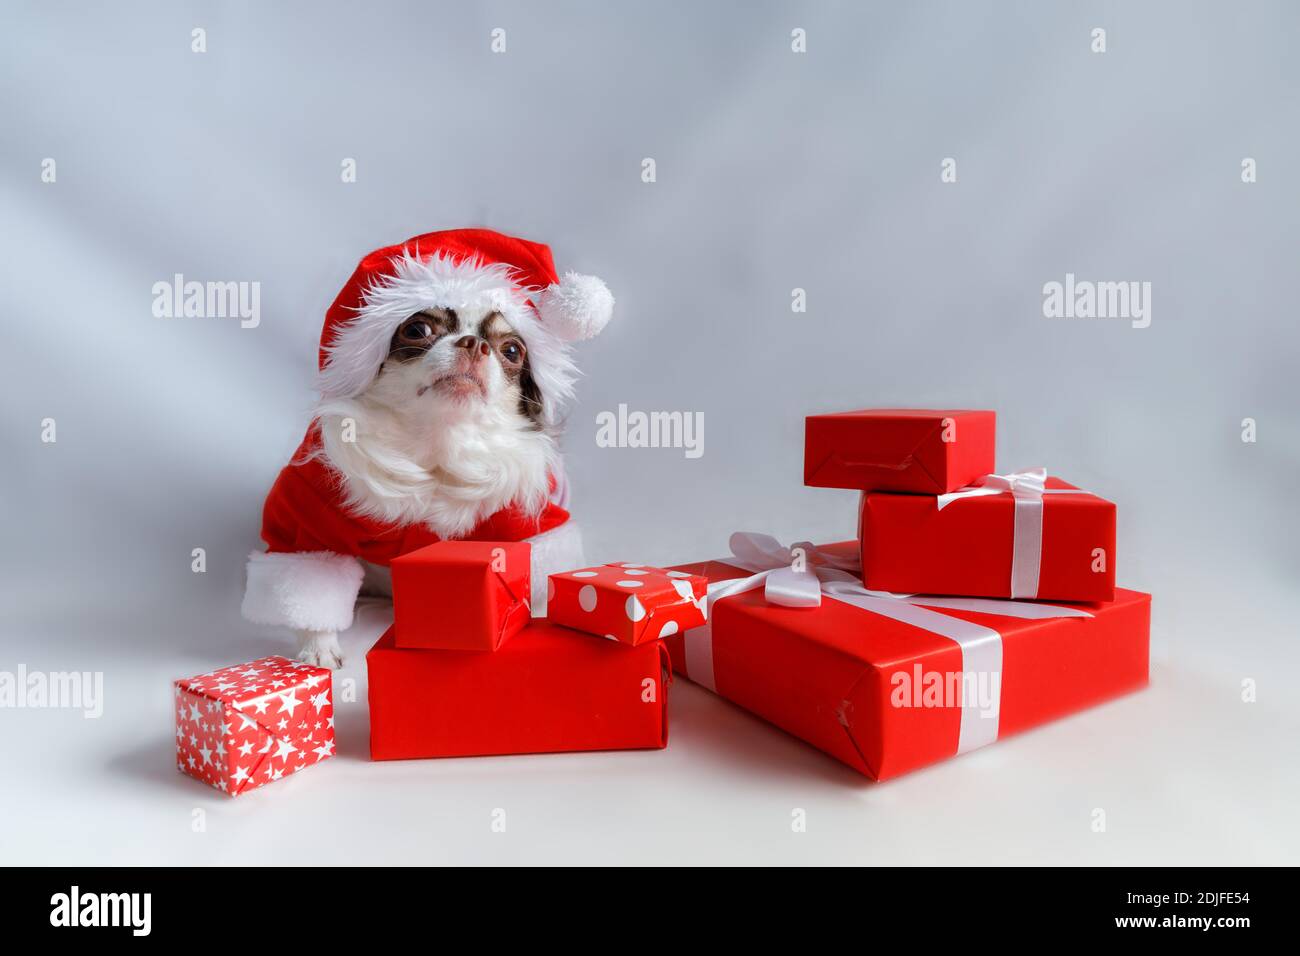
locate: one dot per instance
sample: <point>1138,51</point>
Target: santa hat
<point>457,269</point>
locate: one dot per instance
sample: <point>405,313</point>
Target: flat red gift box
<point>928,451</point>
<point>631,603</point>
<point>970,546</point>
<point>462,595</point>
<point>243,726</point>
<point>549,690</point>
<point>858,684</point>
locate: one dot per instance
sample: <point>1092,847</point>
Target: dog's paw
<point>320,648</point>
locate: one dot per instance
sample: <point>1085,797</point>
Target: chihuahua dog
<point>444,365</point>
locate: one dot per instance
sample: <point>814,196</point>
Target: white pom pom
<point>577,308</point>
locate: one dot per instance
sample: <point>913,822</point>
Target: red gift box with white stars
<point>630,603</point>
<point>241,727</point>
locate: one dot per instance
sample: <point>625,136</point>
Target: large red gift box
<point>462,595</point>
<point>631,603</point>
<point>549,690</point>
<point>243,726</point>
<point>1055,546</point>
<point>888,685</point>
<point>928,451</point>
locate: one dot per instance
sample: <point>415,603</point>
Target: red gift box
<point>549,690</point>
<point>898,449</point>
<point>1022,536</point>
<point>630,603</point>
<point>887,685</point>
<point>240,727</point>
<point>462,595</point>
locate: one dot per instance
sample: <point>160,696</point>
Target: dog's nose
<point>472,343</point>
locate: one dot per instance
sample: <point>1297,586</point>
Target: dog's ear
<point>530,396</point>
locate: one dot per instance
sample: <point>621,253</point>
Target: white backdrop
<point>775,170</point>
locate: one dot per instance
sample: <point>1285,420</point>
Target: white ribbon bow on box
<point>1027,488</point>
<point>799,576</point>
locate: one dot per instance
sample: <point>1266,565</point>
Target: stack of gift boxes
<point>970,605</point>
<point>465,670</point>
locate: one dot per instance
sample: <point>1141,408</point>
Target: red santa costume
<point>311,573</point>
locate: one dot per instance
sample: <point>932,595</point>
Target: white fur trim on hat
<point>577,308</point>
<point>354,358</point>
<point>309,590</point>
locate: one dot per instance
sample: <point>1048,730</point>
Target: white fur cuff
<point>559,549</point>
<point>307,590</point>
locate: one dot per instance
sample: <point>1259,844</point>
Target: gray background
<point>775,171</point>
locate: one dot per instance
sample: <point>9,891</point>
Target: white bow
<point>1023,485</point>
<point>791,577</point>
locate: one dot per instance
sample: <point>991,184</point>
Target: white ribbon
<point>800,575</point>
<point>1027,488</point>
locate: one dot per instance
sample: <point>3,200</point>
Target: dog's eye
<point>512,350</point>
<point>416,330</point>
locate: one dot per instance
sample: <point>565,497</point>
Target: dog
<point>444,367</point>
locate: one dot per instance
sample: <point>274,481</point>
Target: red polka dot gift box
<point>243,726</point>
<point>630,603</point>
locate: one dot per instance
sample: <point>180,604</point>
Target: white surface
<point>776,171</point>
<point>1184,771</point>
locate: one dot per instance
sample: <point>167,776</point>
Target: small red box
<point>242,726</point>
<point>969,546</point>
<point>462,595</point>
<point>926,451</point>
<point>631,603</point>
<point>549,690</point>
<point>880,683</point>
